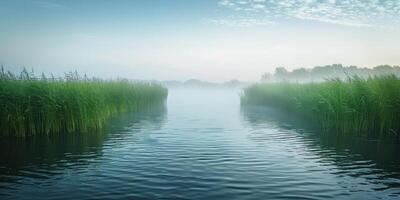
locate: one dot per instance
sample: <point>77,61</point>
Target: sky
<point>212,40</point>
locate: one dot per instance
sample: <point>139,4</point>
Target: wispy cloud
<point>357,13</point>
<point>240,22</point>
<point>49,4</point>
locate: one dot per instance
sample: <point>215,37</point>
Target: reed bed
<point>368,107</point>
<point>34,106</point>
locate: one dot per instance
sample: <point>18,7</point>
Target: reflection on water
<point>375,163</point>
<point>206,146</point>
<point>20,157</point>
<point>32,159</point>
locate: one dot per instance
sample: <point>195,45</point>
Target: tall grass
<point>32,106</point>
<point>369,107</point>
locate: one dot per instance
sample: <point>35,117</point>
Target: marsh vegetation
<point>359,106</point>
<point>32,105</point>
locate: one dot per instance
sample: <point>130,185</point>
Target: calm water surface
<point>201,145</point>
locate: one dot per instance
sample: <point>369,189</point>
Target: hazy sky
<point>205,39</point>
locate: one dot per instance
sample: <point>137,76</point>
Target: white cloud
<point>239,22</point>
<point>358,13</point>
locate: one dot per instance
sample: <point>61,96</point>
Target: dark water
<point>201,145</point>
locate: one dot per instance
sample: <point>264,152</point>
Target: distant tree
<point>232,83</point>
<point>281,73</point>
<point>383,69</point>
<point>266,77</point>
<point>299,74</point>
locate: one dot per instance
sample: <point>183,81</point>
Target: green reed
<point>32,106</point>
<point>369,107</point>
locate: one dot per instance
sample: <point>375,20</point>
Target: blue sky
<point>214,40</point>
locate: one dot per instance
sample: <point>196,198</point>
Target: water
<point>201,145</point>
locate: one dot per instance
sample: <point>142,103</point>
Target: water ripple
<point>199,148</point>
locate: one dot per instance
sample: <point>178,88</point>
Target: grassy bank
<point>32,106</point>
<point>368,107</point>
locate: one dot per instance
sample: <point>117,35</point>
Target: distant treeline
<point>40,105</point>
<point>323,73</point>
